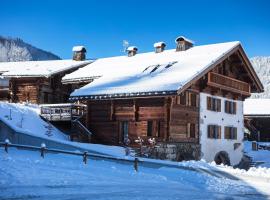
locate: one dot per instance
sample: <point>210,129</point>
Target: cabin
<point>190,99</point>
<point>39,81</point>
<point>257,119</point>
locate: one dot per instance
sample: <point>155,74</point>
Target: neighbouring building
<point>39,81</point>
<point>189,98</point>
<point>257,119</point>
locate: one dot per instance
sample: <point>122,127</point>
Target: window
<point>124,131</point>
<point>230,107</point>
<point>149,128</point>
<point>191,130</point>
<point>214,131</point>
<point>188,99</point>
<point>230,133</point>
<point>213,104</point>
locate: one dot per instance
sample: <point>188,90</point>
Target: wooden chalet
<point>257,119</point>
<point>39,81</point>
<point>189,99</point>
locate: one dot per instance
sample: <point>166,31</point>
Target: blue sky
<point>102,25</point>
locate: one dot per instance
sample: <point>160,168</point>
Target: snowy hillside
<point>262,67</point>
<point>17,50</point>
<point>25,118</point>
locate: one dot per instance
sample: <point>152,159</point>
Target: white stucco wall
<point>210,147</point>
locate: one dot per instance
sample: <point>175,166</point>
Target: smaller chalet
<point>39,81</point>
<point>190,99</point>
<point>257,119</point>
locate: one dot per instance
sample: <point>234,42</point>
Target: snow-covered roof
<point>149,73</point>
<point>183,38</point>
<point>159,44</point>
<point>257,107</point>
<point>132,48</point>
<point>78,48</point>
<point>38,68</point>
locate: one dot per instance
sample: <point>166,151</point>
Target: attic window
<point>155,68</point>
<point>170,64</point>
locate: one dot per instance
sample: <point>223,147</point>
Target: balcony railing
<point>228,83</point>
<point>62,112</point>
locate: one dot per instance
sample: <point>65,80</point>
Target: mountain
<point>262,67</point>
<point>15,49</point>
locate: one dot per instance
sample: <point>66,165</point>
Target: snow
<point>132,48</point>
<point>78,48</point>
<point>25,175</point>
<point>38,68</point>
<point>159,44</point>
<point>260,155</point>
<point>25,118</point>
<point>257,107</point>
<point>184,38</point>
<point>262,67</point>
<point>123,74</point>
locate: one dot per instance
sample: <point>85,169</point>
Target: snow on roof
<point>149,72</point>
<point>132,48</point>
<point>257,107</point>
<point>159,44</point>
<point>38,68</point>
<point>183,38</point>
<point>78,48</point>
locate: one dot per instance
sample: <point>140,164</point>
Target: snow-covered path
<point>25,175</point>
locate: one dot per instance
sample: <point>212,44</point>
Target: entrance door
<point>123,131</point>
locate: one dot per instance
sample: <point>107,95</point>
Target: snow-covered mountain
<point>262,67</point>
<point>15,49</point>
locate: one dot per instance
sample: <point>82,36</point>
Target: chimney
<point>159,47</point>
<point>132,51</point>
<point>183,43</point>
<point>79,53</point>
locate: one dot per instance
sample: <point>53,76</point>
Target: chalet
<point>257,119</point>
<point>39,81</point>
<point>189,98</point>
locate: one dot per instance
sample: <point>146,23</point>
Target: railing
<point>228,83</point>
<point>134,162</point>
<point>62,112</point>
<point>80,126</point>
<point>85,155</point>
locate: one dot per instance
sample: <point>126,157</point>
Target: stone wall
<point>176,151</point>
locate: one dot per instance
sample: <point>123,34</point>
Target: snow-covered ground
<point>260,155</point>
<point>25,175</point>
<point>25,118</point>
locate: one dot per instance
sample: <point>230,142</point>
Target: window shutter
<point>219,132</point>
<point>218,105</point>
<point>188,129</point>
<point>234,107</point>
<point>208,103</point>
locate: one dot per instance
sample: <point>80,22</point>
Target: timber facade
<point>179,120</point>
<point>38,90</point>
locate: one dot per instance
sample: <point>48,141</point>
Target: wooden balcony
<point>228,84</point>
<point>62,112</point>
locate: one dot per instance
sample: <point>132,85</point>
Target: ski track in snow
<point>25,175</point>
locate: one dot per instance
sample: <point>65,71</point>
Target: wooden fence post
<point>136,162</point>
<point>7,142</point>
<point>42,149</point>
<point>85,157</point>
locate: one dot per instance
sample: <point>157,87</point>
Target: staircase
<point>78,131</point>
<point>69,116</point>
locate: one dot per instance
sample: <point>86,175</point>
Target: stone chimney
<point>183,43</point>
<point>132,51</point>
<point>79,53</point>
<point>159,47</point>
